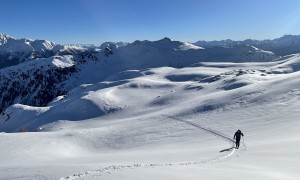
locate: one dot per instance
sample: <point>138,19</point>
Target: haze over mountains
<point>149,109</point>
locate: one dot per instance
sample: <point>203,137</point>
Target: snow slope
<point>161,122</point>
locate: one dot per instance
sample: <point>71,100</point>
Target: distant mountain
<point>288,44</point>
<point>14,51</point>
<point>37,81</point>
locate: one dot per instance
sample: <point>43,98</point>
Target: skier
<point>237,137</point>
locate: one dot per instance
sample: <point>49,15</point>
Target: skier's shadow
<point>228,149</point>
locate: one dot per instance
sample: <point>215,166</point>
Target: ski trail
<point>215,133</point>
<point>115,168</point>
<point>207,129</point>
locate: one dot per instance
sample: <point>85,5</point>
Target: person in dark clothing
<point>237,137</point>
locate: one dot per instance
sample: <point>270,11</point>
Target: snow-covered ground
<point>164,123</point>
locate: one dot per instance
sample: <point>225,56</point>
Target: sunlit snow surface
<point>164,123</point>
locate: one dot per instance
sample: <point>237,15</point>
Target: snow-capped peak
<point>14,51</point>
<point>4,38</point>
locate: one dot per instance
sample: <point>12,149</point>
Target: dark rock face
<point>36,87</point>
<point>38,82</point>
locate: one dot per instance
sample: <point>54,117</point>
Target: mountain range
<point>14,51</point>
<point>285,45</point>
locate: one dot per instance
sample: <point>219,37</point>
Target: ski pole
<point>244,141</point>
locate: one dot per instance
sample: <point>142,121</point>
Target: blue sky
<point>97,21</point>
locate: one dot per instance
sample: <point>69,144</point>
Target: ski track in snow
<point>116,168</point>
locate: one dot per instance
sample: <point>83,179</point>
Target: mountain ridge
<point>285,45</point>
<point>14,51</point>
